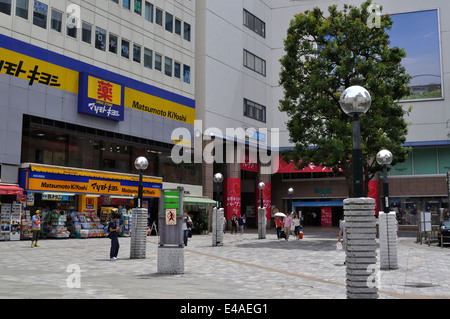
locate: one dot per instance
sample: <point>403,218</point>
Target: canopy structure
<point>10,190</point>
<point>198,201</point>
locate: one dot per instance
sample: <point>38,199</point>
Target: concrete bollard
<point>388,241</point>
<point>138,244</point>
<point>261,223</point>
<point>217,227</point>
<point>361,256</point>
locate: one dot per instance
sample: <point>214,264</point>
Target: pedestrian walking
<point>297,226</point>
<point>36,227</point>
<point>287,223</point>
<point>234,224</point>
<point>114,228</point>
<point>186,227</point>
<point>241,223</point>
<point>278,225</point>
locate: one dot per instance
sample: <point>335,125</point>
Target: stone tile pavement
<point>245,267</point>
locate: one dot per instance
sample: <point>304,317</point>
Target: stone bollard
<point>217,227</point>
<point>261,223</point>
<point>361,256</point>
<point>388,241</point>
<point>138,233</point>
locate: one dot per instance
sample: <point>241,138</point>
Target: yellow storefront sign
<point>92,187</point>
<point>104,91</point>
<point>154,105</point>
<point>37,71</point>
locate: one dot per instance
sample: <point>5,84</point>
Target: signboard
<point>171,216</point>
<point>55,179</point>
<point>101,98</point>
<point>232,197</point>
<point>326,216</point>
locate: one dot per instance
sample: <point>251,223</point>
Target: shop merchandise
<point>85,225</point>
<point>16,212</point>
<point>27,224</point>
<point>55,225</point>
<point>5,220</point>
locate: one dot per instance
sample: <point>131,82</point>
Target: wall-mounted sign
<point>100,97</point>
<point>65,180</point>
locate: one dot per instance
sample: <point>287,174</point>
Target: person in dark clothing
<point>113,228</point>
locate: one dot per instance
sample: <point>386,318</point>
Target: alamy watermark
<point>73,281</point>
<point>210,144</point>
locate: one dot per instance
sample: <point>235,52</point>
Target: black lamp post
<point>218,178</point>
<point>141,164</point>
<point>384,158</point>
<point>261,186</point>
<point>290,192</point>
<point>356,101</point>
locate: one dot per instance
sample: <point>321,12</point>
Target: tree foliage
<point>323,56</point>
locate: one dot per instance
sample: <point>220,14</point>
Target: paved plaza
<point>245,267</point>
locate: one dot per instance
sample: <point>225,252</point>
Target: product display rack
<point>5,221</point>
<point>27,225</point>
<point>55,225</point>
<point>85,225</point>
<point>16,214</point>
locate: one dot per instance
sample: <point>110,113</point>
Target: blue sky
<point>418,34</point>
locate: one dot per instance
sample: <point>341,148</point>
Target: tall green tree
<point>324,54</point>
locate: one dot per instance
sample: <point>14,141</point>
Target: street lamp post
<point>261,186</point>
<point>356,101</point>
<point>218,178</point>
<point>290,192</point>
<point>141,164</point>
<point>218,214</point>
<point>384,158</point>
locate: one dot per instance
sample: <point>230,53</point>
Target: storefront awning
<point>10,190</point>
<point>198,201</point>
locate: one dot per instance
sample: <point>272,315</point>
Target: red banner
<point>10,190</point>
<point>232,197</point>
<point>267,200</point>
<point>247,165</point>
<point>291,168</point>
<point>326,216</point>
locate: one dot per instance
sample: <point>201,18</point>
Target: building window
<point>115,1</point>
<point>168,66</point>
<point>40,14</point>
<point>148,11</point>
<point>100,39</point>
<point>126,4</point>
<point>138,6</point>
<point>169,22</point>
<point>159,17</point>
<point>187,31</point>
<point>71,27</point>
<point>136,53</point>
<point>5,7</point>
<point>254,24</point>
<point>158,62</point>
<point>148,57</point>
<point>254,110</point>
<point>254,63</point>
<point>177,70</point>
<point>56,21</point>
<point>22,8</point>
<point>186,74</point>
<point>86,33</point>
<point>112,43</point>
<point>125,49</point>
<point>178,27</point>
